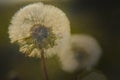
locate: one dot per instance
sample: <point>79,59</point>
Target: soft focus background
<point>98,18</point>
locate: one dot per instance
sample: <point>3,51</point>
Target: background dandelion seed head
<point>86,50</point>
<point>84,53</point>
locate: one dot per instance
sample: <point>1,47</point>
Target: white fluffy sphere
<point>27,23</point>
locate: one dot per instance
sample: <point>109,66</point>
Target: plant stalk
<point>43,62</point>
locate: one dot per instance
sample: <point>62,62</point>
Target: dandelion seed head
<point>39,24</point>
<point>86,50</point>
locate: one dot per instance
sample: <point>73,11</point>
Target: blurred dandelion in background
<point>85,51</point>
<point>40,31</point>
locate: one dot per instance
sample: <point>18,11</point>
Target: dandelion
<point>86,50</point>
<point>40,30</point>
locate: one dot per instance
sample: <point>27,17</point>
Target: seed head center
<point>39,33</point>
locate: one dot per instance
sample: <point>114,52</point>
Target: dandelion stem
<point>44,64</point>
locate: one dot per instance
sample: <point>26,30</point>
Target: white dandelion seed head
<point>40,24</point>
<point>86,50</point>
